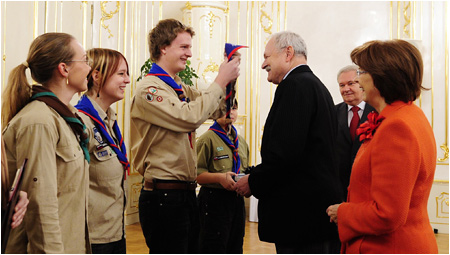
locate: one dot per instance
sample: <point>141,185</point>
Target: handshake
<point>246,171</point>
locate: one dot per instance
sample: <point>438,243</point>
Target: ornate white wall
<point>331,30</point>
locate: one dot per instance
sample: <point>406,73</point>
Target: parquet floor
<point>252,244</point>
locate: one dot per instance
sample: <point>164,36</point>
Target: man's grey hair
<point>285,39</point>
<point>347,69</point>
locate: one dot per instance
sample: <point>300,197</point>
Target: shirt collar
<point>361,106</point>
<point>110,114</point>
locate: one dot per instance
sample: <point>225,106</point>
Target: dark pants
<point>321,247</point>
<point>117,247</point>
<point>222,221</point>
<point>169,220</point>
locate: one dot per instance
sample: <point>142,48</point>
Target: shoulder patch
<point>149,97</point>
<point>159,98</point>
<point>152,90</point>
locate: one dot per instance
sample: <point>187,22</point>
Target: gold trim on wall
<point>442,203</point>
<point>190,7</point>
<point>252,157</point>
<point>267,28</point>
<point>407,18</point>
<point>444,146</point>
<point>160,10</point>
<point>227,13</point>
<point>108,16</point>
<point>247,78</point>
<point>432,66</point>
<point>46,17</point>
<point>125,33</point>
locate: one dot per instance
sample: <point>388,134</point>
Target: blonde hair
<point>106,62</point>
<point>44,56</point>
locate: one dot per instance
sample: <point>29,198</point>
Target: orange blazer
<point>386,208</point>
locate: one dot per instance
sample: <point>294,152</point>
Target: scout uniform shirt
<point>215,156</point>
<point>55,178</point>
<point>160,124</point>
<point>106,182</point>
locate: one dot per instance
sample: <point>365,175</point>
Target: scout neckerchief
<point>156,70</point>
<point>85,106</point>
<point>43,94</point>
<point>234,145</point>
<point>230,49</point>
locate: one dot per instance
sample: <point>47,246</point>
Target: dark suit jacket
<point>297,179</point>
<point>346,149</point>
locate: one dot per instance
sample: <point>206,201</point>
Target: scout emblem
<point>149,97</point>
<point>152,90</point>
<point>98,137</point>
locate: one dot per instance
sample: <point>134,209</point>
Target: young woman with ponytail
<point>40,125</point>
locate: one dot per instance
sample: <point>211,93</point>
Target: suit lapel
<point>343,121</point>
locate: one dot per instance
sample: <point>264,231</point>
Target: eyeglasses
<point>359,72</point>
<point>87,61</point>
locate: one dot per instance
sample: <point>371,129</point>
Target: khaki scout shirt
<point>55,178</point>
<point>215,156</point>
<point>160,124</point>
<point>106,182</point>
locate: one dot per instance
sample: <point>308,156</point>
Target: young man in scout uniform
<point>164,116</point>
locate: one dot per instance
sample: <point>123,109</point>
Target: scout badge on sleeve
<point>156,70</point>
<point>230,49</point>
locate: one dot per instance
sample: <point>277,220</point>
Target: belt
<point>170,185</point>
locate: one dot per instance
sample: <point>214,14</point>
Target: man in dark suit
<point>347,141</point>
<point>298,174</point>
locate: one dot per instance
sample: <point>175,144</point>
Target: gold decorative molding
<point>107,16</point>
<point>134,194</point>
<point>212,67</point>
<point>442,205</point>
<point>444,147</point>
<point>407,19</point>
<point>211,18</point>
<point>188,6</point>
<point>265,20</point>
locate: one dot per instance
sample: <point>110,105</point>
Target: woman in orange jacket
<point>386,208</point>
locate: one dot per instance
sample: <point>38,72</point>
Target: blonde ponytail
<point>46,52</point>
<point>16,95</point>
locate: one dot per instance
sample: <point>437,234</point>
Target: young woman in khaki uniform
<point>106,82</point>
<point>45,129</point>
